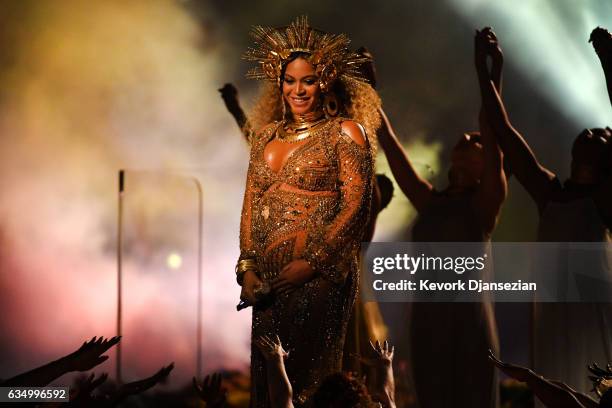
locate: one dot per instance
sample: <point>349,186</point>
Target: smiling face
<point>301,87</point>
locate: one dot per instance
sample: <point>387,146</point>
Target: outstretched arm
<point>584,399</point>
<point>602,42</point>
<point>493,186</point>
<point>537,180</point>
<point>417,189</point>
<point>279,387</point>
<point>602,196</point>
<point>85,358</point>
<point>381,385</point>
<point>550,394</point>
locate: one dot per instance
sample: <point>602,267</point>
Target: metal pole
<point>119,270</point>
<point>199,272</point>
<point>199,302</point>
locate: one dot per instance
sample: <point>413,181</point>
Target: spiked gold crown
<point>328,53</point>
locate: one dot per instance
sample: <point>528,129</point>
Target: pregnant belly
<point>284,219</point>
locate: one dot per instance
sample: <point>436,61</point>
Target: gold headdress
<point>329,53</point>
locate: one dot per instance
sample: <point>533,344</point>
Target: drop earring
<point>330,105</point>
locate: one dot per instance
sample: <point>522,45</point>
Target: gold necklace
<point>294,132</point>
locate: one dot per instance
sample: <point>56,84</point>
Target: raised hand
<point>517,372</point>
<point>210,391</point>
<point>382,355</point>
<point>602,42</point>
<point>272,349</point>
<point>140,386</point>
<point>279,387</point>
<point>381,383</point>
<point>602,378</point>
<point>229,94</point>
<point>83,396</point>
<point>90,353</point>
<point>487,45</point>
<point>493,49</point>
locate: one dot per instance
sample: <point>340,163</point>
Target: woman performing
<point>455,336</point>
<point>306,201</point>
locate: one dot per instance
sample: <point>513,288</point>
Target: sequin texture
<point>315,208</point>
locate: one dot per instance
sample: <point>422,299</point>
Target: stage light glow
<point>393,221</point>
<point>547,41</point>
<point>174,261</point>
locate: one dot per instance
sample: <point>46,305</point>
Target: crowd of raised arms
<point>484,177</point>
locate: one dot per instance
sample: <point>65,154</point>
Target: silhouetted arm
<point>603,195</point>
<point>493,187</point>
<point>539,182</point>
<point>85,358</point>
<point>602,43</point>
<point>584,399</point>
<point>417,189</point>
<point>550,394</point>
<point>229,94</point>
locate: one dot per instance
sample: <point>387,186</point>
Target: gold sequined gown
<point>314,208</point>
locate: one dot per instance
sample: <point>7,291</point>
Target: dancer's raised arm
<point>549,393</point>
<point>602,43</point>
<point>229,94</point>
<point>537,180</point>
<point>417,189</point>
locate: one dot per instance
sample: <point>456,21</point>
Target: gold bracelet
<point>246,264</point>
<point>242,267</point>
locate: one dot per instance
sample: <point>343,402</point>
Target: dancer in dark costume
<point>454,335</point>
<point>566,335</point>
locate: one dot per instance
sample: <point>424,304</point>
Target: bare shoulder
<point>355,131</point>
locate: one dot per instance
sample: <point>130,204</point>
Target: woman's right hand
<point>249,284</point>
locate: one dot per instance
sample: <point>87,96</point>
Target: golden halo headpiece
<point>328,53</point>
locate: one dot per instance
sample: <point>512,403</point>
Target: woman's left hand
<point>295,274</point>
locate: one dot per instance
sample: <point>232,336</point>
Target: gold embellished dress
<point>314,208</point>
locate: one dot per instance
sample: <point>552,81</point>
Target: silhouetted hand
<point>601,378</point>
<point>83,396</point>
<point>517,372</point>
<point>90,353</point>
<point>602,42</point>
<point>229,94</point>
<point>493,48</point>
<point>137,387</point>
<point>487,45</point>
<point>210,391</point>
<point>294,275</point>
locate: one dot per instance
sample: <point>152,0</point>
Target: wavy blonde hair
<point>358,102</point>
